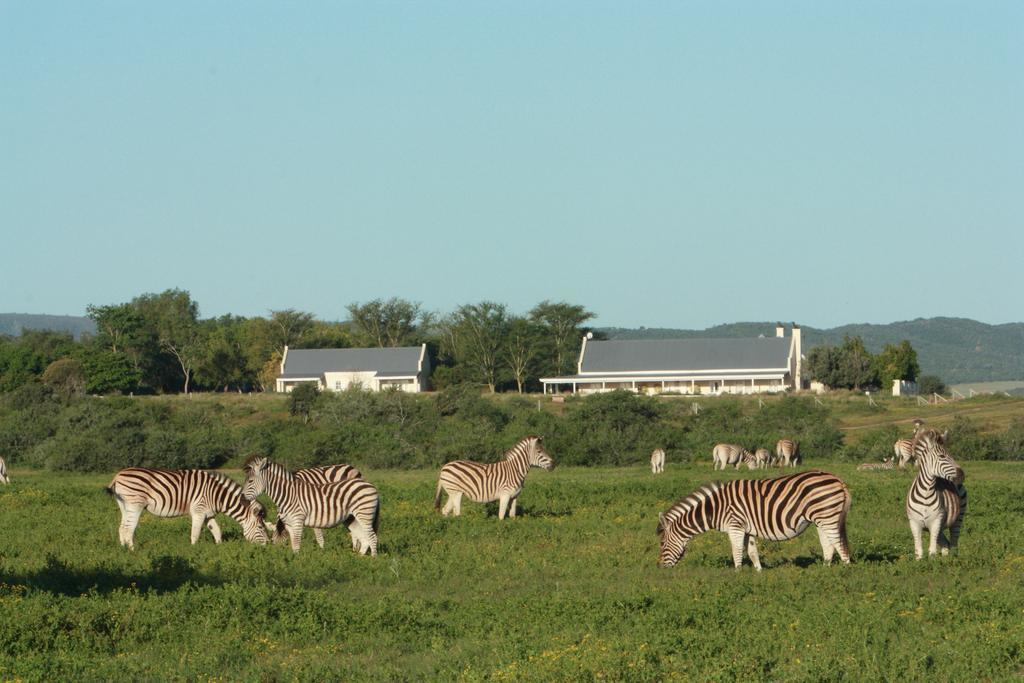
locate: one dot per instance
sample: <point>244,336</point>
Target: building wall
<point>686,387</point>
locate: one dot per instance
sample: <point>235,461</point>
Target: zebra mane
<point>521,442</point>
<point>691,501</point>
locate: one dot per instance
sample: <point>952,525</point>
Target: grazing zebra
<point>484,483</point>
<point>777,509</point>
<point>887,464</point>
<point>728,454</point>
<point>3,472</point>
<point>903,449</point>
<point>787,453</point>
<point>321,474</point>
<point>353,502</point>
<point>937,498</point>
<point>762,458</point>
<point>173,493</point>
<point>658,461</point>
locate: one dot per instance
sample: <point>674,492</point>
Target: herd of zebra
<point>777,509</point>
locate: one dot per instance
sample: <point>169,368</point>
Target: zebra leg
<point>512,510</point>
<point>935,533</point>
<point>449,504</point>
<point>915,530</point>
<point>752,552</point>
<point>502,506</point>
<point>214,528</point>
<point>457,503</point>
<point>198,520</point>
<point>129,521</point>
<point>738,538</point>
<point>827,546</point>
<point>319,534</point>
<point>295,531</point>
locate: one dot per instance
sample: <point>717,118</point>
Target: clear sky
<point>665,164</point>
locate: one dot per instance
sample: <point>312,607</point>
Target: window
<point>337,385</point>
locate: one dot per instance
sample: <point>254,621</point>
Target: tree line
<point>158,343</point>
<point>851,366</point>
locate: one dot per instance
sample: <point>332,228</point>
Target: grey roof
<point>654,355</point>
<point>403,360</point>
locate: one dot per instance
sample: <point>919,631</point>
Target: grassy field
<point>568,591</point>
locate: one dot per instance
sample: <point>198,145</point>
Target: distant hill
<point>13,323</point>
<point>956,349</point>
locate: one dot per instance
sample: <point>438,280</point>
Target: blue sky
<point>664,164</point>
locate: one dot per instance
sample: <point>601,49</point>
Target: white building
<point>687,366</point>
<point>406,368</point>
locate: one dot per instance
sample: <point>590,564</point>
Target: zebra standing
<point>787,452</point>
<point>728,454</point>
<point>173,493</point>
<point>903,450</point>
<point>658,461</point>
<point>762,458</point>
<point>937,498</point>
<point>887,464</point>
<point>777,509</point>
<point>321,474</point>
<point>3,472</point>
<point>484,483</point>
<point>354,502</point>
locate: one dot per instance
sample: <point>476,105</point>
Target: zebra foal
<point>353,502</point>
<point>777,509</point>
<point>485,483</point>
<point>325,474</point>
<point>937,498</point>
<point>658,461</point>
<point>173,493</point>
<point>887,464</point>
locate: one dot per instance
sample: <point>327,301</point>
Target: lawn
<point>570,590</point>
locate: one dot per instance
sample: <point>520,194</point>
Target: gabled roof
<point>402,361</point>
<point>665,355</point>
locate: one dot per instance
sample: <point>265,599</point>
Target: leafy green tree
<point>66,376</point>
<point>108,372</point>
<point>302,399</point>
<point>823,365</point>
<point>896,361</point>
<point>288,327</point>
<point>930,384</point>
<point>224,363</point>
<point>523,342</point>
<point>24,358</point>
<point>563,325</point>
<point>473,336</point>
<point>394,322</point>
<point>856,368</point>
<point>174,317</point>
<point>324,335</point>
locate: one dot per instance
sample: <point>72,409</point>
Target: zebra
<point>887,464</point>
<point>658,461</point>
<point>3,472</point>
<point>353,502</point>
<point>937,498</point>
<point>787,453</point>
<point>484,483</point>
<point>903,450</point>
<point>320,474</point>
<point>777,509</point>
<point>728,454</point>
<point>173,493</point>
<point>762,458</point>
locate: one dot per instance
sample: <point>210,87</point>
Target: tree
<point>522,343</point>
<point>930,384</point>
<point>302,399</point>
<point>288,326</point>
<point>562,323</point>
<point>823,365</point>
<point>897,361</point>
<point>224,363</point>
<point>175,318</point>
<point>66,376</point>
<point>395,322</point>
<point>26,357</point>
<point>473,335</point>
<point>856,369</point>
<point>107,372</point>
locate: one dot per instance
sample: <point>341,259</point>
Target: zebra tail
<point>842,520</point>
<point>376,518</point>
<point>280,531</point>
<point>437,496</point>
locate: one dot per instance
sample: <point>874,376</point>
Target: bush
<point>930,384</point>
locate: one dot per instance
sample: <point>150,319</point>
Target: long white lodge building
<point>686,366</point>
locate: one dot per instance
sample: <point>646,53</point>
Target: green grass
<point>569,591</point>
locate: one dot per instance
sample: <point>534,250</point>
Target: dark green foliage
<point>966,441</point>
<point>930,384</point>
<point>874,446</point>
<point>302,399</point>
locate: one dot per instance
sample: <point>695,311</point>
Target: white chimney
<point>780,331</point>
<point>797,375</point>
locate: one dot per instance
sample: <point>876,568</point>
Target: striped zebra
<point>787,453</point>
<point>320,474</point>
<point>728,454</point>
<point>762,458</point>
<point>173,493</point>
<point>887,464</point>
<point>937,498</point>
<point>903,450</point>
<point>353,502</point>
<point>3,472</point>
<point>777,509</point>
<point>485,483</point>
<point>658,461</point>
